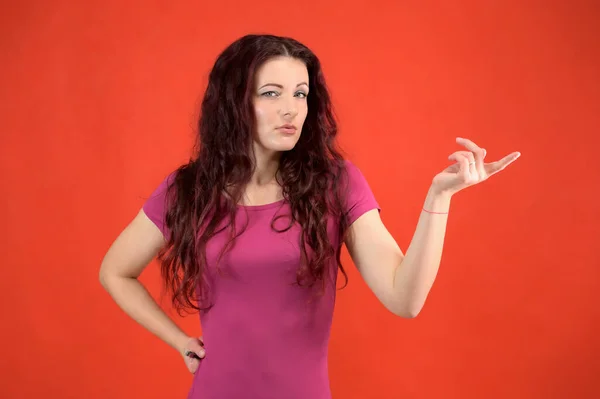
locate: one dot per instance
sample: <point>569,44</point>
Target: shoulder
<point>351,168</point>
<point>357,193</point>
<point>353,179</point>
<point>157,203</point>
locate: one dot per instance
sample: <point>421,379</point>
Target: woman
<point>249,232</point>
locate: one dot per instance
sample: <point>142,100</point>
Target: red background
<point>99,101</point>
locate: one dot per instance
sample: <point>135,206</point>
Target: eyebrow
<point>280,86</point>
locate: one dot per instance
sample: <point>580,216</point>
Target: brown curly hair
<point>310,174</point>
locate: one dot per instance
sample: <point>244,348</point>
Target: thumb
<point>195,347</point>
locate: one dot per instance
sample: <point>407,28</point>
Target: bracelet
<point>436,213</point>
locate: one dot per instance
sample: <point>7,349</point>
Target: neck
<point>266,169</point>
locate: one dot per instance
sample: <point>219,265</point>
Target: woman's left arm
<point>402,282</point>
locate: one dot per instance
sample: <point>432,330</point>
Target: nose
<point>288,108</point>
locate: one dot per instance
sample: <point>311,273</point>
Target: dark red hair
<point>309,174</point>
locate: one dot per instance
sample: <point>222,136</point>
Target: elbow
<point>109,278</point>
<point>103,278</point>
<point>406,312</point>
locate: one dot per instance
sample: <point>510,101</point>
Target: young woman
<point>249,232</point>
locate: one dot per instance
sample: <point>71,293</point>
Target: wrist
<point>437,201</point>
<point>443,192</point>
<point>181,341</point>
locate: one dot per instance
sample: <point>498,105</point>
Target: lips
<point>287,128</point>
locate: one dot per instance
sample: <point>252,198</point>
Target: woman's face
<point>280,104</point>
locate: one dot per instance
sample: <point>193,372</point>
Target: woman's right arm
<point>134,248</point>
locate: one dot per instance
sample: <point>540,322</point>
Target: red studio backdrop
<point>99,102</point>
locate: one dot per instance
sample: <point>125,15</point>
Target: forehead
<point>282,70</point>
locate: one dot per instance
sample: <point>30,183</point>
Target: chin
<point>283,148</point>
<point>285,144</point>
<point>279,144</point>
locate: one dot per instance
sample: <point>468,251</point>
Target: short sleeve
<point>155,206</point>
<point>360,198</point>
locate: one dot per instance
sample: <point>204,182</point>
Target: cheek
<point>303,113</point>
<point>263,115</point>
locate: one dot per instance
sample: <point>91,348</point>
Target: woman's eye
<point>275,94</point>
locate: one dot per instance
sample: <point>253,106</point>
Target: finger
<point>481,168</point>
<point>497,166</point>
<point>195,348</point>
<point>463,162</point>
<point>198,355</point>
<point>468,154</point>
<point>471,163</point>
<point>470,145</point>
<point>197,343</point>
<point>193,365</point>
<point>475,149</point>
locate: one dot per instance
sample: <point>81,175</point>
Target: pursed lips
<point>287,128</point>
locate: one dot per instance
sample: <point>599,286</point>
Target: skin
<point>400,281</point>
<point>279,98</point>
<point>140,241</point>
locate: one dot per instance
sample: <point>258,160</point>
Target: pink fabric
<point>263,337</point>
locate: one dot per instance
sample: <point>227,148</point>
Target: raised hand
<point>469,169</point>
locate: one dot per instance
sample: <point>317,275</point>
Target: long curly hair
<point>310,174</point>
